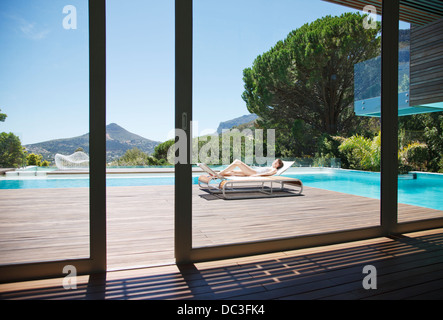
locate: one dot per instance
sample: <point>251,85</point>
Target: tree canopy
<point>12,154</point>
<point>2,116</point>
<point>309,76</point>
<point>11,151</point>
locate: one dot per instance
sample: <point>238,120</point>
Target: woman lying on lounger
<point>245,170</point>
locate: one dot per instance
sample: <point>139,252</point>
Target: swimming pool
<point>425,191</point>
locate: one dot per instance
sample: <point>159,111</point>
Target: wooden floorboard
<point>52,224</point>
<point>409,267</point>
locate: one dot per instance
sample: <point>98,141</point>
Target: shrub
<point>34,159</point>
<point>415,156</point>
<point>362,153</point>
<point>135,157</point>
<point>45,163</point>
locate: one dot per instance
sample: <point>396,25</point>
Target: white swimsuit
<point>261,170</point>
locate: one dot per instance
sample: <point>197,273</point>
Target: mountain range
<point>118,141</point>
<point>236,122</point>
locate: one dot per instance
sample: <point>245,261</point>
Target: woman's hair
<point>280,163</point>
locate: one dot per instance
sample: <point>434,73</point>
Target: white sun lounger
<point>238,184</point>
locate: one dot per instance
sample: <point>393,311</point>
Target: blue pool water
<point>83,182</point>
<point>425,191</point>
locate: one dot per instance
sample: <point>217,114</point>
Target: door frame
<point>97,189</point>
<point>184,252</point>
<point>389,225</point>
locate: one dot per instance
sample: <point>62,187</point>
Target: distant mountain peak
<point>116,132</point>
<point>118,141</point>
<point>236,122</point>
<point>114,126</point>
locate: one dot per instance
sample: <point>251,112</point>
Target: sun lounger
<point>217,184</point>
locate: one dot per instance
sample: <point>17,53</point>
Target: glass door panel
<point>44,144</point>
<point>420,123</point>
<point>140,122</point>
<point>268,84</point>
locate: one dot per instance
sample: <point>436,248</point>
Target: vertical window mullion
<point>97,135</point>
<point>389,115</point>
<point>183,118</point>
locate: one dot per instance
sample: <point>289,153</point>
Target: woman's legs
<point>245,170</point>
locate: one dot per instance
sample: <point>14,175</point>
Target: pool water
<point>83,182</point>
<point>425,191</point>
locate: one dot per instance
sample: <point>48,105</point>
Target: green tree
<point>328,148</point>
<point>135,157</point>
<point>2,116</point>
<point>433,132</point>
<point>45,163</point>
<point>426,130</point>
<point>161,151</point>
<point>34,159</point>
<point>414,156</point>
<point>310,75</point>
<point>12,154</point>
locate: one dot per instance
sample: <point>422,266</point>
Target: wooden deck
<point>408,267</point>
<point>52,224</point>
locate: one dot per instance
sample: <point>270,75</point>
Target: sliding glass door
<point>44,131</point>
<point>140,108</point>
<point>420,122</point>
<point>312,84</point>
<point>280,80</point>
<point>53,104</point>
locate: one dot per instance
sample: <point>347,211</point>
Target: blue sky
<point>44,86</point>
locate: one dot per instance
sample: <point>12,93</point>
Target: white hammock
<point>77,160</point>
